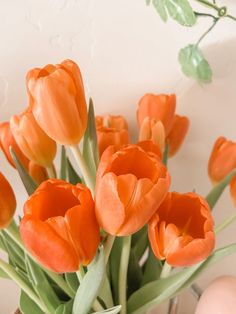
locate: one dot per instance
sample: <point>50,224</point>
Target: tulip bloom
<point>58,102</point>
<point>177,134</point>
<point>159,107</point>
<point>222,160</point>
<point>59,227</point>
<point>7,202</point>
<point>6,141</point>
<point>131,184</point>
<point>32,140</point>
<point>181,230</point>
<point>38,173</point>
<point>111,130</point>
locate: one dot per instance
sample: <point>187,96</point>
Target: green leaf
<point>3,274</point>
<point>90,147</point>
<point>105,293</point>
<point>181,11</point>
<point>63,163</point>
<point>114,263</point>
<point>165,155</point>
<point>41,285</point>
<point>27,305</point>
<point>65,308</point>
<point>27,180</point>
<point>113,310</point>
<point>72,280</point>
<point>140,242</point>
<point>217,190</point>
<point>160,290</point>
<point>152,269</point>
<point>148,2</point>
<point>159,5</point>
<point>73,177</point>
<point>135,274</point>
<point>90,286</point>
<point>194,64</point>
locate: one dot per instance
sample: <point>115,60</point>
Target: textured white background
<point>124,51</point>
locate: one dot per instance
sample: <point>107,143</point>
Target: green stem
<point>124,263</point>
<point>83,167</point>
<point>165,270</point>
<point>9,270</point>
<point>231,17</point>
<point>108,247</point>
<point>225,223</point>
<point>205,15</point>
<point>11,231</point>
<point>209,4</point>
<point>207,31</point>
<point>51,172</point>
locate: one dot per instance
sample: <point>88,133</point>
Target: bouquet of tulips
<point>104,233</point>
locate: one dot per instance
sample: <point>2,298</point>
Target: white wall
<point>124,51</point>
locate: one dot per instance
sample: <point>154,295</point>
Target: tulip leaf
<point>90,146</point>
<point>160,290</point>
<point>28,306</point>
<point>217,190</point>
<point>73,177</point>
<point>72,280</point>
<point>140,242</point>
<point>152,269</point>
<point>3,274</point>
<point>90,285</point>
<point>63,163</point>
<point>65,308</point>
<point>135,273</point>
<point>27,180</point>
<point>194,64</point>
<point>113,310</point>
<point>105,293</point>
<point>165,155</point>
<point>159,5</point>
<point>41,285</point>
<point>181,11</point>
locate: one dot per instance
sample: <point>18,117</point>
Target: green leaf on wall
<point>181,11</point>
<point>194,64</point>
<point>159,5</point>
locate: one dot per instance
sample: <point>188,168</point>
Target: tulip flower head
<point>7,202</point>
<point>32,140</point>
<point>38,173</point>
<point>6,141</point>
<point>181,230</point>
<point>131,184</point>
<point>59,227</point>
<point>58,102</point>
<point>222,160</point>
<point>111,130</point>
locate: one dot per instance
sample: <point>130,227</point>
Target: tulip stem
<point>165,270</point>
<point>51,172</point>
<point>10,271</point>
<point>108,247</point>
<point>83,167</point>
<point>11,231</point>
<point>225,223</point>
<point>124,263</point>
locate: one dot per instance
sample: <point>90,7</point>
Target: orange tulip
<point>6,141</point>
<point>177,134</point>
<point>159,107</point>
<point>111,130</point>
<point>181,230</point>
<point>222,160</point>
<point>59,227</point>
<point>7,202</point>
<point>131,184</point>
<point>32,140</point>
<point>58,101</point>
<point>38,173</point>
<point>153,130</point>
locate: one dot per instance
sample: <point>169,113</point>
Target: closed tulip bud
<point>159,107</point>
<point>131,184</point>
<point>181,231</point>
<point>32,140</point>
<point>59,227</point>
<point>58,102</point>
<point>37,172</point>
<point>152,130</point>
<point>7,202</point>
<point>177,134</point>
<point>111,130</point>
<point>6,141</point>
<point>222,160</point>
